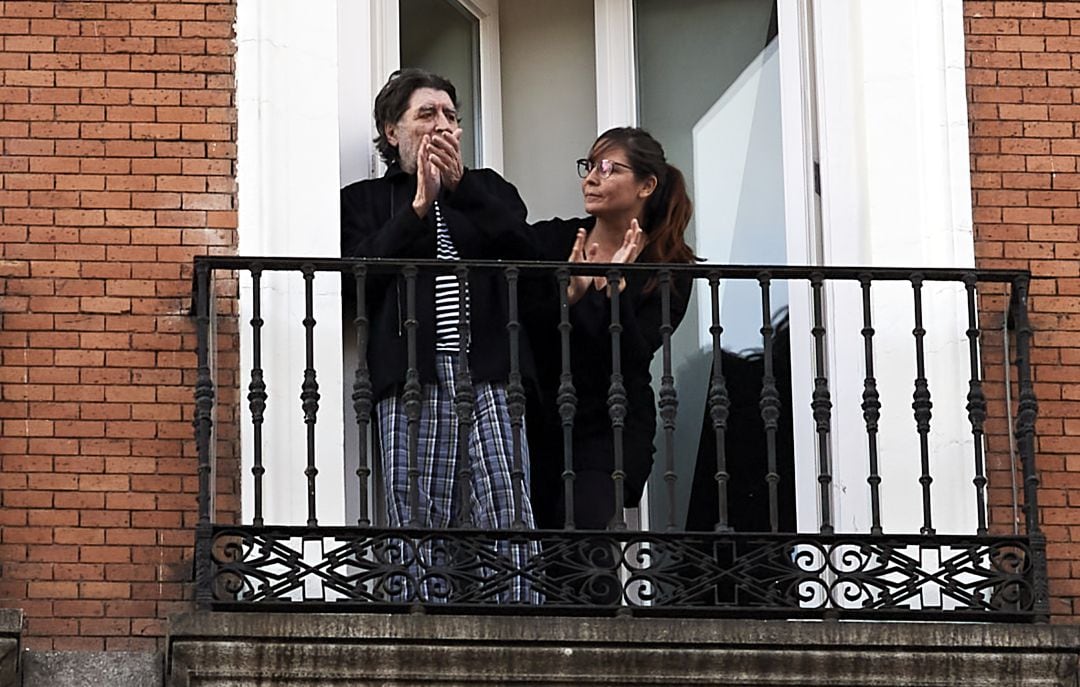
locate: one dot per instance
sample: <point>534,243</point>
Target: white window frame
<point>818,104</point>
<point>287,189</point>
<point>288,178</point>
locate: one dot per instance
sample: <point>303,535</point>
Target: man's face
<point>430,111</point>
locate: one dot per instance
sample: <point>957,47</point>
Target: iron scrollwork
<point>762,575</point>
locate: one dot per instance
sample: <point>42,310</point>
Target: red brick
<point>1017,9</point>
<point>104,590</point>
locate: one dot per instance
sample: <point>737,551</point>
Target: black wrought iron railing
<point>753,557</point>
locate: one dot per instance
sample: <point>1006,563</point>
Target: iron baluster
<point>309,394</point>
<point>411,396</point>
<point>716,573</point>
<point>719,405</point>
<point>617,397</point>
<point>921,403</point>
<point>770,401</point>
<point>257,394</point>
<point>976,404</point>
<point>567,398</point>
<point>204,388</point>
<point>362,393</point>
<point>821,405</point>
<point>464,400</point>
<point>515,397</point>
<point>871,407</point>
<point>204,423</point>
<point>1027,412</point>
<point>1027,408</point>
<point>669,400</point>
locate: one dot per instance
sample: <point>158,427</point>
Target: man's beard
<point>407,155</point>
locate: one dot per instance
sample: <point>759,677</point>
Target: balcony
<point>781,431</point>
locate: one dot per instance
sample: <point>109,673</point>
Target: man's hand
<point>446,156</point>
<point>427,179</point>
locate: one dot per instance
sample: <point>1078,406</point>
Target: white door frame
<point>288,198</point>
<point>616,66</point>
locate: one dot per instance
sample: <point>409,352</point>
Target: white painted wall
<point>288,176</point>
<point>893,149</point>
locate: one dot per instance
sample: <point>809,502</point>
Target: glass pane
<point>548,52</point>
<point>708,89</point>
<point>442,37</point>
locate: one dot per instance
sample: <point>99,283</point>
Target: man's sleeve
<point>497,226</point>
<point>363,234</point>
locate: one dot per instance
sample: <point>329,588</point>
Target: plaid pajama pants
<point>490,451</point>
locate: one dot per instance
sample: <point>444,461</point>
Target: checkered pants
<point>490,450</point>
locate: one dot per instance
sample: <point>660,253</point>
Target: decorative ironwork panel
<point>715,572</point>
<point>645,573</point>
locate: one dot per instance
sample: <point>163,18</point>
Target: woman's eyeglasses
<point>606,167</point>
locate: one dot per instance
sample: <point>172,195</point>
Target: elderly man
<point>428,205</point>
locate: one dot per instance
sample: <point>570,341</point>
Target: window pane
<point>442,37</point>
<point>708,89</point>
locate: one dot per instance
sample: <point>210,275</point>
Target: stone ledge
<point>92,669</point>
<point>11,625</point>
<point>233,650</point>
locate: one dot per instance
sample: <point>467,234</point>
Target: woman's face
<point>620,192</point>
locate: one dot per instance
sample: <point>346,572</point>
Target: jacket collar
<point>394,170</point>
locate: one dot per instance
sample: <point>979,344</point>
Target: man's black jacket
<point>377,221</point>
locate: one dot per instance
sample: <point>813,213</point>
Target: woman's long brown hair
<point>669,208</point>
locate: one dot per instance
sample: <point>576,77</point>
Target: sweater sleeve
<point>640,314</point>
<point>364,235</point>
<point>497,226</point>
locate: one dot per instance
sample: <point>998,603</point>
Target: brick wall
<point>118,135</point>
<point>1023,75</point>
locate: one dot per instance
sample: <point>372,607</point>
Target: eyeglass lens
<point>585,166</point>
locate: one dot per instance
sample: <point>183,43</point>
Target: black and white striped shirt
<point>447,303</point>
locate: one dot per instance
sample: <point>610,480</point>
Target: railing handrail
<point>988,575</point>
<point>701,269</point>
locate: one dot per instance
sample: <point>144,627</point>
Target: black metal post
<point>921,403</point>
<point>719,405</point>
<point>976,404</point>
<point>669,400</point>
<point>362,393</point>
<point>1027,413</point>
<point>257,395</point>
<point>617,397</point>
<point>204,423</point>
<point>770,401</point>
<point>309,394</point>
<point>821,405</point>
<point>464,400</point>
<point>567,399</point>
<point>411,398</point>
<point>871,407</point>
<point>515,397</point>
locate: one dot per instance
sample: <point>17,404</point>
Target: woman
<point>638,211</point>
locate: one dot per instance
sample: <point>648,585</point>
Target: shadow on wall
<point>745,444</point>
